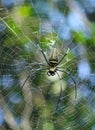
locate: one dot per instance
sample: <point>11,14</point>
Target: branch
<point>8,116</point>
<point>28,103</point>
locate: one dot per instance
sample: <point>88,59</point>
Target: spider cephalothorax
<point>51,71</point>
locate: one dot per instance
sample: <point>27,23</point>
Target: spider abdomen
<point>53,59</point>
<point>53,63</point>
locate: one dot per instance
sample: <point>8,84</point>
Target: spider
<point>52,69</point>
<point>52,63</point>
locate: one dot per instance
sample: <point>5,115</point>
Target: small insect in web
<point>52,69</point>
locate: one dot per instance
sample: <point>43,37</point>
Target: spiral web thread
<point>33,105</point>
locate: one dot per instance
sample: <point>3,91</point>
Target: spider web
<point>25,29</point>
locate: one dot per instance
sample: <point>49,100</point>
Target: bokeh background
<point>26,28</point>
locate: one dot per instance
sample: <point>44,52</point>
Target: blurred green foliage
<point>27,31</point>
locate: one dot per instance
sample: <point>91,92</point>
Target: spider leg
<point>37,66</point>
<point>60,92</point>
<point>43,54</point>
<point>30,75</point>
<point>72,80</point>
<point>25,81</point>
<point>63,56</point>
<point>36,40</point>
